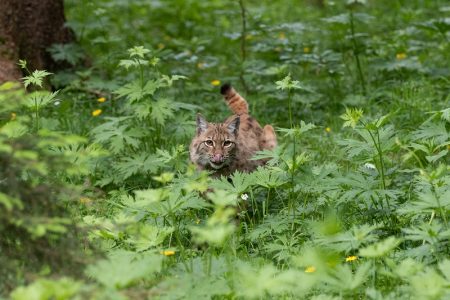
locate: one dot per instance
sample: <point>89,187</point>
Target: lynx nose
<point>217,158</point>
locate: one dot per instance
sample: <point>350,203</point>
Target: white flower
<point>369,166</point>
<point>244,196</point>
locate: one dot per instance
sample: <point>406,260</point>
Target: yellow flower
<point>351,258</point>
<point>310,269</point>
<point>96,112</point>
<point>328,129</point>
<point>101,99</point>
<point>306,50</point>
<point>401,56</point>
<point>161,46</point>
<point>201,65</point>
<point>215,82</point>
<point>168,252</point>
<point>282,36</point>
<point>13,116</point>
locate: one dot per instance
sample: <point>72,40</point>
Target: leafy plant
<point>352,204</point>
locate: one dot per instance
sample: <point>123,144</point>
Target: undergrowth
<point>99,200</point>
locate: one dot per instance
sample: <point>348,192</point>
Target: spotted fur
<point>228,146</point>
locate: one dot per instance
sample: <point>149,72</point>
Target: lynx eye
<point>209,143</point>
<point>227,143</point>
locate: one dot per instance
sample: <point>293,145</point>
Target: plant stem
<point>177,237</point>
<point>377,144</point>
<point>441,210</point>
<point>380,154</point>
<point>380,157</point>
<point>36,114</point>
<point>429,223</point>
<point>356,54</point>
<point>141,74</point>
<point>294,154</point>
<point>290,109</point>
<point>243,43</point>
<point>208,261</point>
<point>267,201</point>
<point>244,30</point>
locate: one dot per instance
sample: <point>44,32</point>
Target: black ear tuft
<point>225,88</point>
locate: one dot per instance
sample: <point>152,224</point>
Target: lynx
<point>229,146</point>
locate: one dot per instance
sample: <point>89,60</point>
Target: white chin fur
<point>217,167</point>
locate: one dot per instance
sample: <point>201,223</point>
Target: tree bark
<point>27,29</point>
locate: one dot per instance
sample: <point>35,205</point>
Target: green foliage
<point>71,53</point>
<point>35,195</point>
<point>380,249</point>
<point>352,204</point>
<point>123,268</point>
<point>44,289</point>
<point>35,78</point>
<point>351,117</point>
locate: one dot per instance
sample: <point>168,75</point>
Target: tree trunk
<point>27,29</point>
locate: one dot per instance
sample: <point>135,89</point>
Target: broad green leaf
<point>213,235</point>
<point>353,239</point>
<point>43,289</point>
<point>436,157</point>
<point>170,79</point>
<point>269,178</point>
<point>407,268</point>
<point>39,99</point>
<point>134,91</point>
<point>162,110</point>
<point>351,117</point>
<point>127,63</point>
<point>444,267</point>
<point>124,268</point>
<point>36,78</point>
<point>139,51</point>
<point>342,278</point>
<point>240,182</point>
<point>258,282</point>
<point>427,202</point>
<point>445,114</point>
<point>223,198</point>
<point>428,285</point>
<point>287,83</point>
<point>151,195</point>
<point>140,163</point>
<point>14,129</point>
<point>70,52</point>
<point>147,236</point>
<point>117,136</point>
<point>429,131</point>
<point>380,249</point>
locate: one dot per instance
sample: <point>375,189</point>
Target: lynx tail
<point>236,102</point>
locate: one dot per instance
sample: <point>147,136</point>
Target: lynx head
<point>214,146</point>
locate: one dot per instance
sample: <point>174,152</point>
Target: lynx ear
<point>202,124</point>
<point>233,126</point>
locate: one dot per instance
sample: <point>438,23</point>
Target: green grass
<point>354,203</point>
